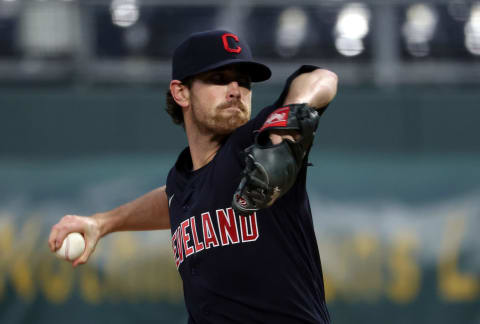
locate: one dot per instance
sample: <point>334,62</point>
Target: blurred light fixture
<point>291,31</point>
<point>458,9</point>
<point>9,8</point>
<point>472,31</point>
<point>124,13</point>
<point>351,28</point>
<point>419,28</point>
<point>349,46</point>
<point>48,29</point>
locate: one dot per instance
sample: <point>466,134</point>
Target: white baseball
<point>72,247</point>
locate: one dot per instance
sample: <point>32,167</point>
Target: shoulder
<point>177,176</point>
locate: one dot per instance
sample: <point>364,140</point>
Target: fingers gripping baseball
<point>87,226</point>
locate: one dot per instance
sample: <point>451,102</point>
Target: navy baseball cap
<point>205,51</point>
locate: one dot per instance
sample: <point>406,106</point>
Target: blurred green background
<point>395,186</point>
<point>394,191</point>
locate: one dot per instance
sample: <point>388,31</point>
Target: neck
<point>203,148</point>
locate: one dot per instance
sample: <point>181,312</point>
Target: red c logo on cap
<point>238,49</point>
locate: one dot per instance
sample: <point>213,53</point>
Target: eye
<point>217,78</point>
<point>244,82</point>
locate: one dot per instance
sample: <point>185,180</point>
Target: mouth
<point>233,106</point>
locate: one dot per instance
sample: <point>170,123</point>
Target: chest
<point>201,215</point>
<point>207,190</point>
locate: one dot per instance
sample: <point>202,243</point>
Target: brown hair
<point>173,109</point>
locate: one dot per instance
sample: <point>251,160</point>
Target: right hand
<point>87,226</point>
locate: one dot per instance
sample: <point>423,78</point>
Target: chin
<point>228,128</point>
<point>227,124</point>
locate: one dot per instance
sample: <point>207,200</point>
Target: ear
<point>180,93</point>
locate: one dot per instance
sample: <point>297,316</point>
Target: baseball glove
<point>271,170</point>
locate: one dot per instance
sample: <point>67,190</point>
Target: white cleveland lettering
<point>186,240</point>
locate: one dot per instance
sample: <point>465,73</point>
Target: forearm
<point>316,88</point>
<point>148,212</point>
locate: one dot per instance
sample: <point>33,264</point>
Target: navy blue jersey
<point>264,268</point>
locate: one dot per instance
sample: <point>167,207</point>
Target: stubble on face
<point>223,118</point>
<point>230,115</point>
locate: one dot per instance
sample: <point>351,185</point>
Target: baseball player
<point>235,200</point>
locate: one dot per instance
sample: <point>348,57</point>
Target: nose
<point>233,90</point>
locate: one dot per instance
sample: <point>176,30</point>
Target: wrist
<point>99,222</point>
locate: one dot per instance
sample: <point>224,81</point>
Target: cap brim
<point>257,71</point>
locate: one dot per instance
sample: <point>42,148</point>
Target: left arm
<point>271,170</point>
<point>317,89</point>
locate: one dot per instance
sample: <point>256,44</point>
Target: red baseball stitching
<point>67,247</point>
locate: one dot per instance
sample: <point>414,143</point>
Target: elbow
<point>316,88</point>
<point>328,83</point>
<point>324,74</point>
<point>333,80</point>
<point>325,87</point>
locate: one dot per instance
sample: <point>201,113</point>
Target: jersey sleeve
<point>245,135</point>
